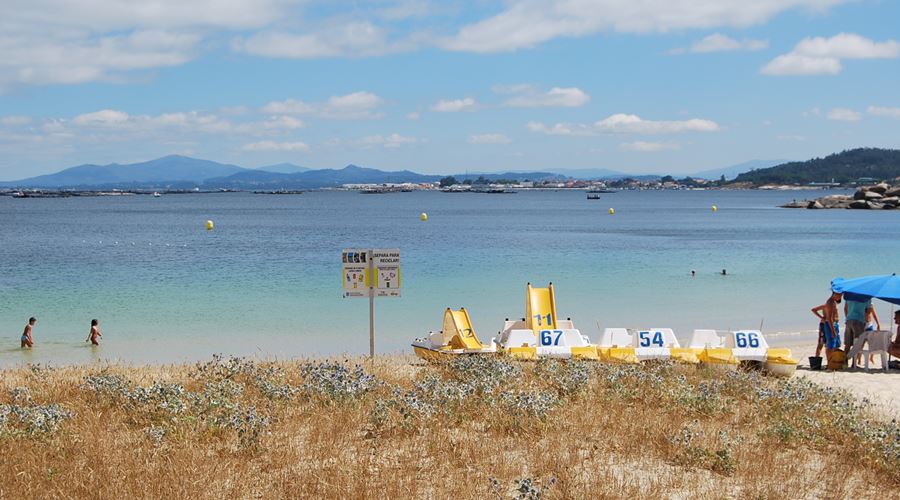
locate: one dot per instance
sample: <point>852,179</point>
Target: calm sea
<point>267,280</point>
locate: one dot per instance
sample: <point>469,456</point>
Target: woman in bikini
<point>94,337</point>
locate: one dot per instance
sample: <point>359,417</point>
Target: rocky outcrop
<point>878,197</point>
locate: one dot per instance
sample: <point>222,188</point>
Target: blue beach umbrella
<point>885,287</point>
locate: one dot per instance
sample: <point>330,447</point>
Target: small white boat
<point>156,194</point>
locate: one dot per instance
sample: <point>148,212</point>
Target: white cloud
<point>119,15</point>
<point>718,42</point>
<point>354,39</point>
<point>489,139</point>
<point>848,46</point>
<point>884,111</point>
<point>58,59</point>
<point>65,42</point>
<point>798,64</point>
<point>350,106</point>
<point>794,138</point>
<point>527,23</point>
<point>649,147</point>
<point>413,115</point>
<point>844,115</point>
<point>283,122</point>
<point>102,117</point>
<point>357,101</point>
<point>289,107</point>
<point>626,124</point>
<point>455,105</point>
<point>276,146</point>
<point>392,141</point>
<point>528,96</point>
<point>111,121</point>
<point>823,56</point>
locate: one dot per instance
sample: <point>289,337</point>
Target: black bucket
<point>815,362</point>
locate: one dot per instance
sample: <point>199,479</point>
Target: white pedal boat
<point>623,345</point>
<point>541,334</point>
<point>732,348</point>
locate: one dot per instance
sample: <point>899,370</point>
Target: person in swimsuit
<point>27,339</point>
<point>94,336</point>
<point>829,330</point>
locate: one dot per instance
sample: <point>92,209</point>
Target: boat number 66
<point>746,339</point>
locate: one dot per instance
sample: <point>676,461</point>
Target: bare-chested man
<point>27,339</point>
<point>829,331</point>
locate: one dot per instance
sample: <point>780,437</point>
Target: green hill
<point>844,167</point>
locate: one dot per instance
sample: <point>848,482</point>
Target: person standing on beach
<point>829,328</point>
<point>94,336</point>
<point>855,312</point>
<point>27,339</point>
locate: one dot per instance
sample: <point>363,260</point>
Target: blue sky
<point>659,86</point>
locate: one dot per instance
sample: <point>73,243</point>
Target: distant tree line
<point>844,167</point>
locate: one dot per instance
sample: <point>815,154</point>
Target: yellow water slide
<point>540,308</point>
<point>458,332</point>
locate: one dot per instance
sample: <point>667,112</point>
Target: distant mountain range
<point>182,172</point>
<point>168,169</point>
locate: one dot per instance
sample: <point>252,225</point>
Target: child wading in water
<point>27,338</point>
<point>95,334</point>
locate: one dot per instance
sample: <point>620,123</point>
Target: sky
<point>639,86</point>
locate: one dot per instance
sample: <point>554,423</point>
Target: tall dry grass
<point>475,428</point>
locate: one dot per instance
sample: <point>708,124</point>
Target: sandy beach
<point>881,388</point>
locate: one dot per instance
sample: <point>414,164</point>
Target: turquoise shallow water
<point>267,280</point>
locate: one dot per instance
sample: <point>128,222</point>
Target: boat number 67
<point>550,337</point>
<point>746,339</point>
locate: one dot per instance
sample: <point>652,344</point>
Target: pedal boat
<point>457,338</point>
<point>541,334</point>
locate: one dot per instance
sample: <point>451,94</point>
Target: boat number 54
<point>651,338</point>
<point>550,337</point>
<point>746,339</point>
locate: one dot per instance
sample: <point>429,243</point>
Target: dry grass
<point>478,428</point>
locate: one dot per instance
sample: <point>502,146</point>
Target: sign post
<point>371,306</point>
<point>371,273</point>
